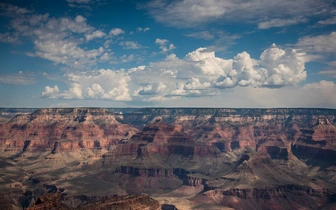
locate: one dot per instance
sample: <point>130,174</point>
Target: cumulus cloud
<point>58,39</point>
<point>101,84</point>
<point>195,84</point>
<point>281,22</point>
<point>199,74</point>
<point>130,45</point>
<point>94,35</point>
<point>19,78</point>
<point>276,67</point>
<point>164,45</point>
<point>50,92</point>
<point>208,63</point>
<point>106,57</point>
<point>116,32</point>
<point>126,58</point>
<point>151,89</point>
<point>188,13</point>
<point>202,73</point>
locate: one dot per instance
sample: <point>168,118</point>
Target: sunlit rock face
<point>183,157</point>
<point>64,130</point>
<point>275,131</point>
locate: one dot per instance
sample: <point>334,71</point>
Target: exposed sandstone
<point>52,201</point>
<point>64,130</point>
<point>237,158</point>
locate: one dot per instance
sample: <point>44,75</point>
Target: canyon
<point>168,158</point>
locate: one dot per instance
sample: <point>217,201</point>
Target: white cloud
<point>79,1</point>
<point>50,92</point>
<point>94,35</point>
<point>12,10</point>
<point>101,84</point>
<point>116,32</point>
<point>164,45</point>
<point>95,91</point>
<point>75,92</point>
<point>259,97</point>
<point>318,44</point>
<point>187,13</point>
<point>329,21</point>
<point>161,41</point>
<point>331,73</point>
<point>105,57</point>
<point>275,68</point>
<point>139,29</point>
<point>130,45</point>
<point>195,84</point>
<point>153,89</point>
<point>67,52</point>
<point>199,74</point>
<point>201,35</point>
<point>126,58</point>
<point>281,22</point>
<point>208,63</point>
<point>183,13</point>
<point>59,39</point>
<point>19,78</point>
<point>9,38</point>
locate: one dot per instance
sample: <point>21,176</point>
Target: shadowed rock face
<point>52,201</point>
<point>216,158</point>
<point>163,139</point>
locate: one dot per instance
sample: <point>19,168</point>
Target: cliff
<point>64,130</point>
<point>52,201</point>
<point>188,157</point>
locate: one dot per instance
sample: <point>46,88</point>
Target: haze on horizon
<point>160,53</point>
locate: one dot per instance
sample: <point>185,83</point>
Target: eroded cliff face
<point>257,182</point>
<point>52,201</point>
<point>159,138</point>
<point>273,130</point>
<point>64,130</point>
<point>229,158</point>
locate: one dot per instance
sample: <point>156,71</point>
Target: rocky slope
<point>52,201</point>
<point>256,182</point>
<point>63,130</point>
<point>192,158</point>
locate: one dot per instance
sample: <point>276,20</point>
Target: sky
<point>168,53</point>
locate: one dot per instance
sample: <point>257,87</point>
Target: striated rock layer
<point>52,201</point>
<point>188,158</point>
<point>64,130</point>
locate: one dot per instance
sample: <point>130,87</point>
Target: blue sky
<point>177,53</point>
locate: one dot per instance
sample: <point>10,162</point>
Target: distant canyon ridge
<point>167,158</point>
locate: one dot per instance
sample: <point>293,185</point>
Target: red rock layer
<point>64,130</point>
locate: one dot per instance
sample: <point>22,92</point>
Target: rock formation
<point>64,130</point>
<point>189,158</point>
<point>52,201</point>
